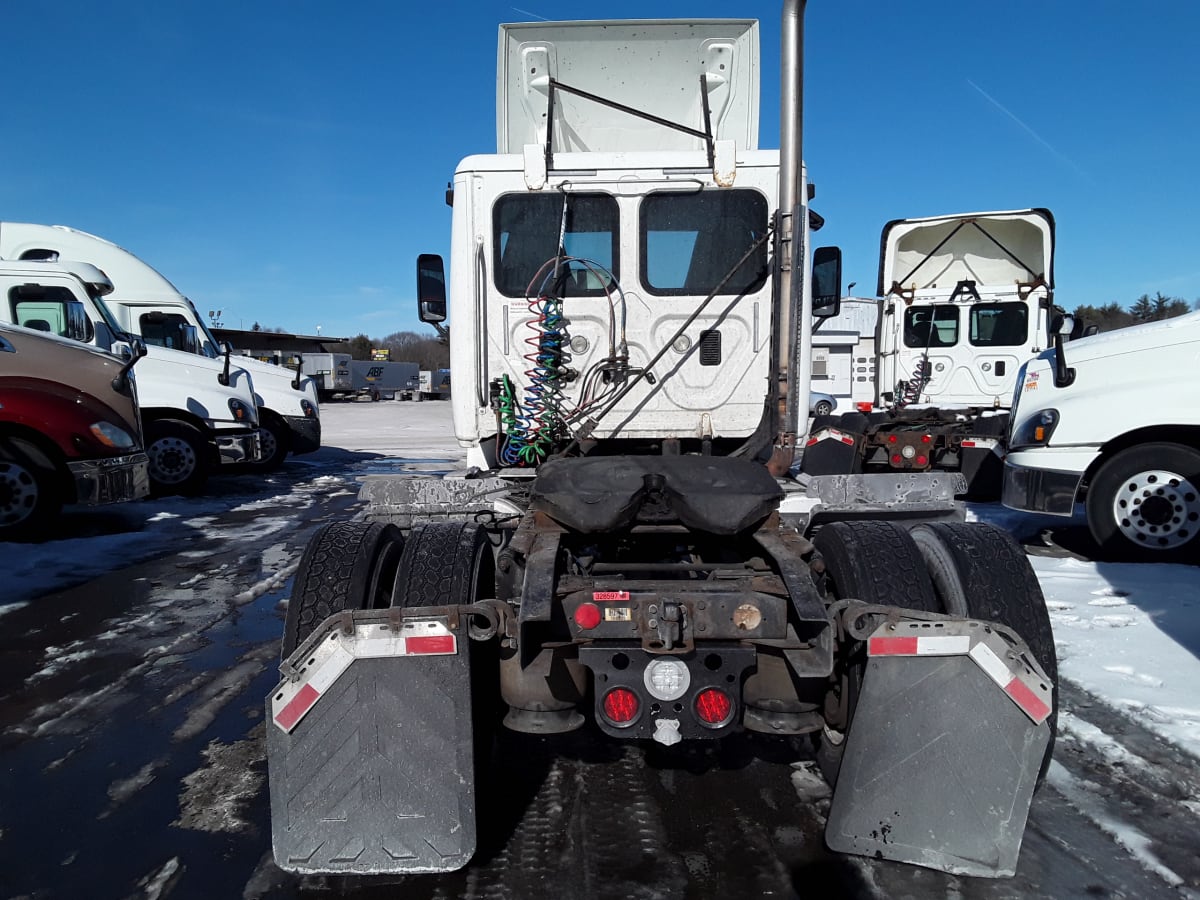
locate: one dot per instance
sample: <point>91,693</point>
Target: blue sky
<point>287,161</point>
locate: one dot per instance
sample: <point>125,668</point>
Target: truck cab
<point>198,414</point>
<point>69,429</point>
<point>145,303</point>
<point>1112,421</point>
<point>966,301</point>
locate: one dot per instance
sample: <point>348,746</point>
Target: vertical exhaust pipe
<point>795,322</point>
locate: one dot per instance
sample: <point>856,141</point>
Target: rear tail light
<point>713,707</point>
<point>621,706</point>
<point>587,616</point>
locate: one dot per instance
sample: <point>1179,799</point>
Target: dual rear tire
<point>359,565</point>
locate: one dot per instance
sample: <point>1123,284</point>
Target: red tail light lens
<point>922,460</point>
<point>713,707</point>
<point>621,706</point>
<point>587,616</point>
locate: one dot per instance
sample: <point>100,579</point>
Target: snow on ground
<point>1127,633</point>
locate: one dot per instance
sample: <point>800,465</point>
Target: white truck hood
<point>617,60</point>
<point>996,250</point>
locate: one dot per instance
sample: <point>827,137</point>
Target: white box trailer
<point>331,372</point>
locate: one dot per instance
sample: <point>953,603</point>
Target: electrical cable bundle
<point>910,391</point>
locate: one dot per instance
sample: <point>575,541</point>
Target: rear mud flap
<point>944,751</point>
<point>369,748</point>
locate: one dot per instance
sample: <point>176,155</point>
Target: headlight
<point>240,411</point>
<point>1035,431</point>
<point>111,436</point>
<point>310,411</point>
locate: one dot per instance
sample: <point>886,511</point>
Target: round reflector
<point>620,706</point>
<point>713,707</point>
<point>587,615</point>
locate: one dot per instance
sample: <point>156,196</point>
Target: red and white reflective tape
<point>1023,686</point>
<point>293,700</point>
<point>830,434</point>
<point>939,645</point>
<point>981,443</point>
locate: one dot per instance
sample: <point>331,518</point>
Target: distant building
<point>843,360</point>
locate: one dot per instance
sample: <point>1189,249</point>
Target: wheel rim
<point>266,438</point>
<point>18,493</point>
<point>823,409</point>
<point>1158,509</point>
<point>172,460</point>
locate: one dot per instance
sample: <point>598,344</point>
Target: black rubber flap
<point>720,495</point>
<point>378,776</point>
<point>939,769</point>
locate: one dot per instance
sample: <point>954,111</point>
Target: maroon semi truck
<point>69,431</point>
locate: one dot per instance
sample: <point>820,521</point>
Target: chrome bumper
<point>238,447</point>
<point>1040,490</point>
<point>113,480</point>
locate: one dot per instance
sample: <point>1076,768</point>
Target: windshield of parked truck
<point>109,319</point>
<point>527,228</point>
<point>168,330</point>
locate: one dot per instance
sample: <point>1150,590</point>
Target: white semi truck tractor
<point>1112,422</point>
<point>146,304</point>
<point>198,415</point>
<point>631,299</point>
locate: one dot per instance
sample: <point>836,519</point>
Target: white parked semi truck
<point>630,550</point>
<point>1113,421</point>
<point>967,299</point>
<point>198,415</point>
<point>145,303</point>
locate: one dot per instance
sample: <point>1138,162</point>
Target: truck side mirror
<point>431,289</point>
<point>826,282</point>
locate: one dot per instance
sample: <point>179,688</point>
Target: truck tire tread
<point>981,572</point>
<point>338,571</point>
<point>441,565</point>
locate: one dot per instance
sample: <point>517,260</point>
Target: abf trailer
<point>629,552</point>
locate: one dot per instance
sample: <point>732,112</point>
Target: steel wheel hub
<point>18,493</point>
<point>1157,509</point>
<point>172,460</point>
